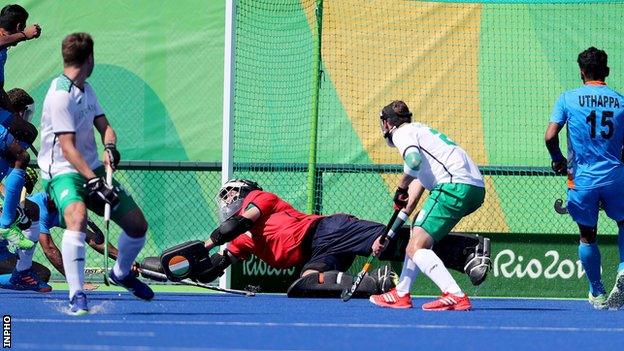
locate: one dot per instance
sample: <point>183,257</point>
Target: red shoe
<point>391,299</point>
<point>449,302</point>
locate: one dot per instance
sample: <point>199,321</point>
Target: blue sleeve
<point>559,114</point>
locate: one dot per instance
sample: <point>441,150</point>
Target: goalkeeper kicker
<point>258,222</point>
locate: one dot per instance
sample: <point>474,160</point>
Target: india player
<point>434,162</point>
<point>594,117</point>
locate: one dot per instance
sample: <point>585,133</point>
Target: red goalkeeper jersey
<point>277,236</point>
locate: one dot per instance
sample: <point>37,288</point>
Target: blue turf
<point>214,321</point>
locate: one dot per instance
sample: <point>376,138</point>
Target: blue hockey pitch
<point>189,322</point>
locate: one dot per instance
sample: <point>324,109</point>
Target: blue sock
<point>621,246</point>
<point>13,189</point>
<point>590,257</point>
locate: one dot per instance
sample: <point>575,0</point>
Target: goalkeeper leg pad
<point>330,285</point>
<point>479,262</point>
<point>185,260</point>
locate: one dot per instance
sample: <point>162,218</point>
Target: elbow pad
<point>230,229</point>
<point>413,159</point>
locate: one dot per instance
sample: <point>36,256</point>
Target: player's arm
<point>99,247</point>
<point>31,32</point>
<point>109,139</point>
<point>558,162</point>
<point>52,252</point>
<point>67,142</point>
<point>233,227</point>
<point>415,191</point>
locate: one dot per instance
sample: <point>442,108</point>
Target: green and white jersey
<point>66,108</point>
<point>438,159</point>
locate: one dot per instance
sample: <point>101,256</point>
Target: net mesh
<point>486,74</point>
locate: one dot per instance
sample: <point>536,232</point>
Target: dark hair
<point>593,63</point>
<point>11,16</point>
<point>76,49</point>
<point>19,98</point>
<point>396,113</point>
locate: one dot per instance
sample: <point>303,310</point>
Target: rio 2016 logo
<point>510,265</point>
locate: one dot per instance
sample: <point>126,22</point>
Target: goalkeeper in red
<point>73,175</point>
<point>434,162</point>
<point>594,116</point>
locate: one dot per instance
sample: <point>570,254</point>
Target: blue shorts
<point>338,239</point>
<point>583,205</point>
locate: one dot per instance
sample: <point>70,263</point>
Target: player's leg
<point>24,277</point>
<point>611,197</point>
<point>130,218</point>
<point>445,206</point>
<point>583,208</point>
<point>69,196</point>
<point>14,154</point>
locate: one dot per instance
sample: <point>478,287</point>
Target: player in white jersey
<point>73,175</point>
<point>434,162</point>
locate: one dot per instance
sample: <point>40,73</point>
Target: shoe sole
<point>79,313</point>
<point>448,308</point>
<point>390,306</point>
<point>617,301</point>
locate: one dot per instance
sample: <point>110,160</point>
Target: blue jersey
<point>5,115</point>
<point>3,58</point>
<point>594,114</point>
<point>47,219</point>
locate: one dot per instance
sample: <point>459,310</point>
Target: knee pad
<point>479,262</point>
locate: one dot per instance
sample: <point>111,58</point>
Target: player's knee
<point>308,272</point>
<point>137,229</point>
<point>588,234</point>
<point>76,216</point>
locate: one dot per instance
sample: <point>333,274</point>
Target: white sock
<point>408,274</point>
<point>26,256</point>
<point>430,264</point>
<point>73,250</point>
<point>129,249</point>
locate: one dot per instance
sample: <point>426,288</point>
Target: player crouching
<point>258,222</point>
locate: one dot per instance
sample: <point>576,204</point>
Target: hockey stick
<point>559,208</point>
<point>347,294</point>
<point>107,213</point>
<point>163,278</point>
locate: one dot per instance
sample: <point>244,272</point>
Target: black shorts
<point>337,239</point>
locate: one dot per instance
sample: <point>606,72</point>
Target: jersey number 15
<point>605,121</point>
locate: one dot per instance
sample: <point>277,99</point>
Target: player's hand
<point>400,198</point>
<point>111,156</point>
<point>90,286</point>
<point>560,167</point>
<point>379,246</point>
<point>99,191</point>
<point>30,179</point>
<point>32,31</point>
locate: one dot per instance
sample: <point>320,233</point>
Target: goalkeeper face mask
<point>29,112</point>
<point>387,133</point>
<point>231,196</point>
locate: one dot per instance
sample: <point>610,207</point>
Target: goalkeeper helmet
<point>395,114</point>
<point>231,196</point>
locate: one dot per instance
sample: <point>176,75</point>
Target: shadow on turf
<point>194,313</point>
<point>519,309</point>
